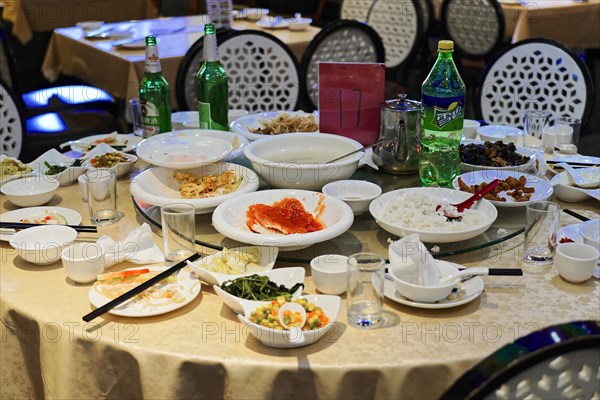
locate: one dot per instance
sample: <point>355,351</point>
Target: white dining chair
<point>262,72</point>
<point>11,124</point>
<point>355,9</point>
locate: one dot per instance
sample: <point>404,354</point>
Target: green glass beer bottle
<point>442,116</point>
<point>155,97</point>
<point>213,101</point>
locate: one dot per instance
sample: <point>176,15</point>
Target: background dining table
<point>202,350</point>
<point>119,70</point>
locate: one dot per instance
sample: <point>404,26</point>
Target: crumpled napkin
<point>138,248</point>
<point>412,262</point>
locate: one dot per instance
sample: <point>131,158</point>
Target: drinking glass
<point>567,137</point>
<point>136,117</point>
<point>102,196</point>
<point>534,124</point>
<point>365,289</point>
<point>541,226</point>
<point>178,230</point>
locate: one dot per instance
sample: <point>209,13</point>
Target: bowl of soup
<point>303,160</point>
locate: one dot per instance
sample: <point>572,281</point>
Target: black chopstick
<point>576,215</point>
<point>23,225</point>
<point>139,289</point>
<point>502,271</point>
<point>580,164</point>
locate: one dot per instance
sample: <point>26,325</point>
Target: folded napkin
<point>138,248</point>
<point>412,262</point>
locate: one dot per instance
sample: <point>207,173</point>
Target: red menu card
<point>350,95</point>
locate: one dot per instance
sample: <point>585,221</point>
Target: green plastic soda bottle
<point>442,116</point>
<point>213,100</point>
<point>155,96</point>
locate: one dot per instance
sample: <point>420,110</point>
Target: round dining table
<point>202,351</point>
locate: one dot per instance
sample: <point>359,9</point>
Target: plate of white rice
<point>406,211</point>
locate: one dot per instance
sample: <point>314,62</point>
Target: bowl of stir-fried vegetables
<point>104,156</point>
<point>263,321</point>
<point>256,288</point>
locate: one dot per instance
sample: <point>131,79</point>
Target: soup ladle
<point>361,149</point>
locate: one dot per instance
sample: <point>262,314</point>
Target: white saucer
<point>472,289</point>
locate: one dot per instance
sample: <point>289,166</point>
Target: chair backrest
<point>426,14</point>
<point>11,123</point>
<point>475,26</point>
<point>339,41</point>
<point>534,74</point>
<point>7,57</point>
<point>399,25</point>
<point>261,70</point>
<point>558,362</point>
<point>355,9</point>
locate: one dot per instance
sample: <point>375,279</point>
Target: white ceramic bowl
<point>30,191</point>
<point>267,258</point>
<point>120,169</point>
<point>299,160</point>
<point>425,294</point>
<point>575,262</point>
<point>330,273</point>
<point>493,133</point>
<point>42,245</point>
<point>83,262</point>
<point>287,277</point>
<point>565,191</point>
<point>178,119</point>
<point>183,149</point>
<point>528,167</point>
<point>357,194</point>
<point>194,122</point>
<point>298,24</point>
<point>486,209</point>
<point>230,218</point>
<point>54,157</point>
<point>254,14</point>
<point>238,142</point>
<point>242,125</point>
<point>470,128</point>
<point>90,25</point>
<point>590,230</point>
<point>158,187</point>
<point>291,338</point>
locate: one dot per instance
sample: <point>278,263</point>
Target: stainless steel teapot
<point>400,124</point>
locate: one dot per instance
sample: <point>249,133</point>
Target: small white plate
<point>543,189</point>
<point>186,286</point>
<point>183,150</point>
<point>271,23</point>
<point>129,141</point>
<point>571,232</point>
<point>472,289</point>
<point>72,216</point>
<point>242,125</point>
<point>134,44</point>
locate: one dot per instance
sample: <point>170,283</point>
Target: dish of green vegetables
<point>57,169</point>
<point>257,287</point>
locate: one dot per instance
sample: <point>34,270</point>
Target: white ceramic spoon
<point>296,334</point>
<point>587,178</point>
<point>465,272</point>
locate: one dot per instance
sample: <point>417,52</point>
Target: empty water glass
<point>541,227</point>
<point>136,116</point>
<point>178,229</point>
<point>365,289</point>
<point>534,125</point>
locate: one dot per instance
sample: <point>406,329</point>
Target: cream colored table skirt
<point>201,350</point>
<point>30,16</point>
<point>120,71</point>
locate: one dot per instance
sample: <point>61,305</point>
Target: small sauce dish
<point>357,194</point>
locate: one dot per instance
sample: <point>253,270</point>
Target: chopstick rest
<point>139,289</point>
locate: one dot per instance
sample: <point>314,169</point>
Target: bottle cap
<point>445,45</point>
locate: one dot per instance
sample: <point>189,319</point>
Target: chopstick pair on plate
<point>5,226</point>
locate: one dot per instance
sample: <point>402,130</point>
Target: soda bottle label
<point>150,119</point>
<point>205,117</point>
<point>444,114</point>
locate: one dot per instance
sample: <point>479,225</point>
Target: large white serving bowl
<point>566,191</point>
<point>299,160</point>
<point>291,338</point>
<point>242,125</point>
<point>288,277</point>
<point>486,209</point>
<point>183,150</point>
<point>43,244</point>
<point>229,218</point>
<point>542,188</point>
<point>158,187</point>
<point>529,166</point>
<point>30,191</point>
<point>238,142</point>
<point>54,157</point>
<point>266,260</point>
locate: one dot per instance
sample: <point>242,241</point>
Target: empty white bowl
<point>329,273</point>
<point>254,14</point>
<point>425,294</point>
<point>43,244</point>
<point>357,194</point>
<point>90,25</point>
<point>590,230</point>
<point>31,191</point>
<point>575,262</point>
<point>494,133</point>
<point>298,24</point>
<point>299,160</point>
<point>83,262</point>
<point>179,119</point>
<point>470,128</point>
